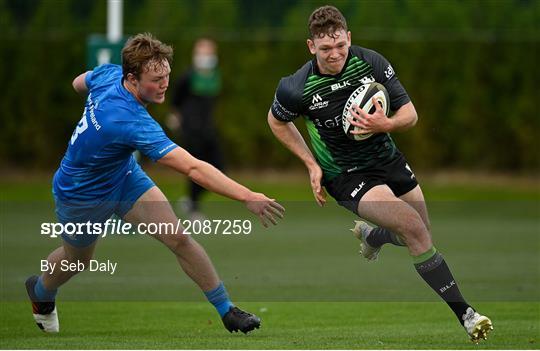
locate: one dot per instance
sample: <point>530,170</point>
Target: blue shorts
<point>118,202</point>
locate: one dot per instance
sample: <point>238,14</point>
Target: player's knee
<point>413,229</point>
<point>427,224</point>
<point>179,242</point>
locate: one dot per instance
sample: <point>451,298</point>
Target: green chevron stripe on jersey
<point>317,85</point>
<point>330,168</point>
<point>321,82</point>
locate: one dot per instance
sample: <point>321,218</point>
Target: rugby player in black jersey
<point>369,177</point>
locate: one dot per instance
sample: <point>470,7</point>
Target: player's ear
<point>131,78</point>
<point>349,37</point>
<point>311,46</point>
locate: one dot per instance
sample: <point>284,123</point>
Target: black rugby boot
<point>238,320</point>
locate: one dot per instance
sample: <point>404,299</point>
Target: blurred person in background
<point>194,97</point>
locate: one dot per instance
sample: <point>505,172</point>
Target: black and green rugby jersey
<point>320,98</point>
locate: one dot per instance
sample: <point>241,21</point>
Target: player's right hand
<point>265,208</point>
<point>315,177</point>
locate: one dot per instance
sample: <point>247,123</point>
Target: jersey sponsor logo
<point>166,148</point>
<point>388,72</point>
<point>93,107</point>
<point>357,189</point>
<point>367,79</point>
<point>317,103</point>
<point>280,112</point>
<point>328,123</point>
<point>340,85</point>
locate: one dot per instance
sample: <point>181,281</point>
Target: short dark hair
<point>326,20</point>
<point>142,49</point>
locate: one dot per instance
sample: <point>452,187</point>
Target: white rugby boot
<point>476,325</point>
<point>361,231</point>
<point>44,312</point>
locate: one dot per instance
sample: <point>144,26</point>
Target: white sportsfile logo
<point>316,98</point>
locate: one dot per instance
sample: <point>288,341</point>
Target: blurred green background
<point>470,67</point>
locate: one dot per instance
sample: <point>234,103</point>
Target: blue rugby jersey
<point>113,125</point>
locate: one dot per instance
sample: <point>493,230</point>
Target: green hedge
<point>469,66</point>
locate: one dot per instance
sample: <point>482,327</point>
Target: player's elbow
<point>410,111</point>
<point>270,119</point>
<point>273,122</point>
<point>79,84</point>
<point>414,119</point>
<point>196,170</point>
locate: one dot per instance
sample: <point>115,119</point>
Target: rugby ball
<point>362,97</point>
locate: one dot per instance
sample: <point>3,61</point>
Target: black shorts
<point>349,188</point>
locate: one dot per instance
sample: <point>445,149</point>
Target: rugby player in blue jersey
<point>371,177</point>
<point>98,177</point>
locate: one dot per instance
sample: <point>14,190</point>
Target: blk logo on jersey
<point>340,85</point>
<point>317,103</point>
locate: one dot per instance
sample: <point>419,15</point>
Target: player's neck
<point>323,70</point>
<point>133,91</point>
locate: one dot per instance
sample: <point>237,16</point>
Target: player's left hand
<point>377,122</point>
<point>268,210</point>
<point>315,178</point>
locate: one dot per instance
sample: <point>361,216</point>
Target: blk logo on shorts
<point>357,189</point>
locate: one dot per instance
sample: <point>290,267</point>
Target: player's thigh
<point>153,208</point>
<point>415,198</point>
<point>380,206</point>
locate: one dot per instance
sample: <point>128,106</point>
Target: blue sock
<point>42,293</point>
<point>220,299</point>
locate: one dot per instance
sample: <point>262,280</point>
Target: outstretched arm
<point>289,136</point>
<point>214,180</point>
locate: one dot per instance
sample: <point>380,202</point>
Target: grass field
<point>303,277</point>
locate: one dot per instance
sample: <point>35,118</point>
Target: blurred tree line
<point>470,67</point>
